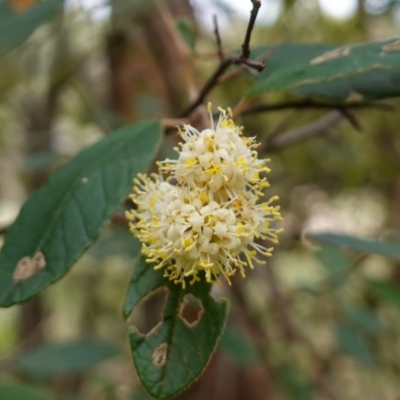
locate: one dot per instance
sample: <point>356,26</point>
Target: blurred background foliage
<point>318,322</point>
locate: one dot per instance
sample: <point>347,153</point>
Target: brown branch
<point>297,135</point>
<point>253,16</point>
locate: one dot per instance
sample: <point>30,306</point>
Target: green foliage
<point>17,25</point>
<point>354,344</point>
<point>17,391</point>
<point>387,291</point>
<point>187,31</point>
<point>363,318</point>
<point>59,221</point>
<point>369,70</point>
<point>334,262</point>
<point>238,346</point>
<point>171,356</point>
<point>60,358</point>
<point>294,385</point>
<point>362,245</point>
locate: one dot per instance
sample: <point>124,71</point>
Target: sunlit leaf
<point>362,245</point>
<point>59,221</point>
<point>57,358</point>
<point>19,19</point>
<point>365,71</point>
<point>174,353</point>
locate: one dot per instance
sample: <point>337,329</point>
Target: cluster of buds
<point>201,214</point>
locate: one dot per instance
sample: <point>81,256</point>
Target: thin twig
<point>296,135</point>
<point>211,82</point>
<point>226,62</point>
<point>352,119</point>
<point>253,16</point>
<point>218,39</point>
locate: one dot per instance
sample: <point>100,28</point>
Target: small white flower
<point>208,222</point>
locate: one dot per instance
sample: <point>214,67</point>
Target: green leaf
<point>334,262</point>
<point>16,26</point>
<point>69,357</point>
<point>370,70</point>
<point>16,391</point>
<point>294,385</point>
<point>116,241</point>
<point>332,259</point>
<point>59,221</point>
<point>238,346</point>
<point>171,356</point>
<point>388,291</point>
<point>363,318</point>
<point>354,344</point>
<point>187,30</point>
<point>362,245</point>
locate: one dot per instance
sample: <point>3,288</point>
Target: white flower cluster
<point>208,221</point>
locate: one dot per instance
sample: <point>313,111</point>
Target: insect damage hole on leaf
<point>191,310</point>
<point>28,266</point>
<point>159,355</point>
<point>148,315</point>
<point>331,55</point>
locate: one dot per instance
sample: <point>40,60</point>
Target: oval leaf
<point>362,245</point>
<point>59,221</point>
<point>171,356</point>
<point>369,70</point>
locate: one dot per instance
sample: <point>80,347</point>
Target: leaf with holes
<point>18,20</point>
<point>59,221</point>
<point>173,354</point>
<point>362,245</point>
<point>366,71</point>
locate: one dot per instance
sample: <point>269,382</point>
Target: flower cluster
<point>209,219</point>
